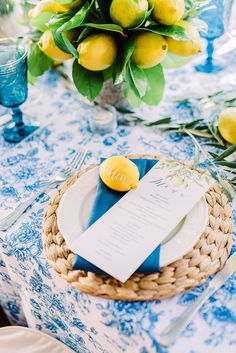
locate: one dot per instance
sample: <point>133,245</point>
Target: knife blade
<point>168,336</point>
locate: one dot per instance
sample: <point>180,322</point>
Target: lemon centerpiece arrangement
<point>126,41</point>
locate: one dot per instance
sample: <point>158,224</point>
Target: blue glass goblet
<point>214,19</point>
<point>13,87</point>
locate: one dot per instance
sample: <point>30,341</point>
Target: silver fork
<point>74,164</point>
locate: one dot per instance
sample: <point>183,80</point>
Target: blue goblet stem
<point>17,116</point>
<point>210,50</point>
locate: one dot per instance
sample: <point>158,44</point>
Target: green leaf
<point>156,85</point>
<point>194,123</point>
<point>64,2</point>
<point>59,41</point>
<point>85,33</point>
<point>215,145</point>
<point>172,61</point>
<point>162,121</point>
<point>215,133</point>
<point>108,73</point>
<point>122,59</point>
<point>130,90</point>
<point>70,46</point>
<point>88,83</point>
<point>226,153</point>
<point>139,79</point>
<point>31,79</point>
<point>226,164</point>
<point>38,62</point>
<point>58,20</point>
<point>105,27</point>
<point>174,31</point>
<point>41,21</point>
<point>77,19</point>
<point>214,155</point>
<point>200,133</point>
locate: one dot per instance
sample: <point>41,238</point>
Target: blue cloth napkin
<point>105,198</point>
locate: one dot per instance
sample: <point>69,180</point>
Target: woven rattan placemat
<point>207,257</point>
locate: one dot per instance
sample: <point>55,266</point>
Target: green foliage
<point>139,79</point>
<point>144,85</point>
<point>60,19</point>
<point>77,19</point>
<point>156,85</point>
<point>88,83</point>
<point>64,44</point>
<point>65,2</point>
<point>125,51</point>
<point>41,21</point>
<point>6,7</point>
<point>38,62</point>
<point>173,61</point>
<point>175,32</point>
<point>105,27</point>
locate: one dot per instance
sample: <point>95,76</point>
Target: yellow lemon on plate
<point>167,12</point>
<point>227,124</point>
<point>119,173</point>
<point>97,52</point>
<point>128,13</point>
<point>48,47</point>
<point>150,49</point>
<point>188,47</point>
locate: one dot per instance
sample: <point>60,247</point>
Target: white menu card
<point>121,240</point>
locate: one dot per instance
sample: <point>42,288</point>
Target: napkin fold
<point>105,198</point>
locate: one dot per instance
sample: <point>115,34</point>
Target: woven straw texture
<point>206,258</point>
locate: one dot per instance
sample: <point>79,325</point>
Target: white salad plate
<point>76,205</point>
<point>17,339</point>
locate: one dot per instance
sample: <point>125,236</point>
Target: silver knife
<point>168,336</point>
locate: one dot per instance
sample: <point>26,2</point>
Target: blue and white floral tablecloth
<point>32,294</point>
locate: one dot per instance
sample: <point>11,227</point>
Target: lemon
<point>48,47</point>
<point>227,124</point>
<point>150,49</point>
<point>97,52</point>
<point>52,6</point>
<point>46,6</point>
<point>128,13</point>
<point>167,12</point>
<point>119,173</point>
<point>185,47</point>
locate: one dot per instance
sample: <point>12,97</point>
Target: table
<point>32,293</point>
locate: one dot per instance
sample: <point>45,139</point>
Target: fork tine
<point>75,156</point>
<point>79,159</point>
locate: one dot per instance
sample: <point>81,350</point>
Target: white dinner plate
<point>76,206</point>
<point>16,339</point>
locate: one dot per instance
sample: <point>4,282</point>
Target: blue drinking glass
<point>214,19</point>
<point>13,87</point>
